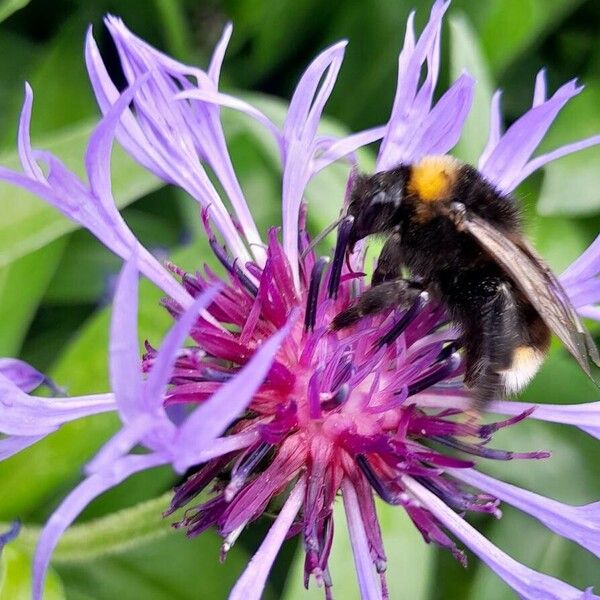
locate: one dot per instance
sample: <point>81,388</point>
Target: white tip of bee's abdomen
<point>525,364</point>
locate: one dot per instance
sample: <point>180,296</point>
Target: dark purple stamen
<point>338,398</point>
<point>203,517</point>
<point>313,293</point>
<point>444,370</point>
<point>338,257</point>
<point>313,395</point>
<point>483,452</point>
<point>55,389</point>
<point>459,500</point>
<point>232,267</point>
<point>246,466</point>
<point>345,369</point>
<point>487,430</point>
<point>325,545</point>
<point>404,321</point>
<point>10,535</point>
<point>447,351</point>
<point>342,394</point>
<point>196,483</point>
<point>380,489</point>
<point>210,374</point>
<point>191,284</point>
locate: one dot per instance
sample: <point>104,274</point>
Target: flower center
<point>335,406</point>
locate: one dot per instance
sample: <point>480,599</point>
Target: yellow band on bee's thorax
<point>433,177</point>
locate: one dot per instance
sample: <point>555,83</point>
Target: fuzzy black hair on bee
<point>461,240</point>
<point>376,203</point>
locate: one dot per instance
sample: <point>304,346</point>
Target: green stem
<point>106,535</point>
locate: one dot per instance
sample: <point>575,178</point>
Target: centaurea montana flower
<point>278,405</point>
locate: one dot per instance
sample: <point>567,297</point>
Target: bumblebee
<point>462,242</point>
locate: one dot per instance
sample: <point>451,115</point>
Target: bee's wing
<point>540,286</point>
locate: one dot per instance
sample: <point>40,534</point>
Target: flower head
<point>280,409</point>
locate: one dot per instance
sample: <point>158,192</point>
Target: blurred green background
<point>56,282</point>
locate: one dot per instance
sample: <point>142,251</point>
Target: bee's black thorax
<point>431,242</point>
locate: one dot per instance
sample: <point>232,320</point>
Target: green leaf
<point>117,532</point>
<point>8,7</point>
<point>410,560</point>
<point>15,577</point>
<point>175,26</point>
<point>84,273</point>
<point>510,27</point>
<point>134,553</point>
<point>57,75</point>
<point>22,285</point>
<point>13,74</point>
<point>29,223</point>
<point>88,267</point>
<point>466,54</point>
<point>62,93</point>
<point>268,47</point>
<point>559,240</point>
<point>571,184</point>
<point>169,568</point>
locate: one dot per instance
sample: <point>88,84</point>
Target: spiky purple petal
<point>529,584</point>
<point>23,414</point>
<point>370,588</point>
<point>578,523</point>
<point>252,582</point>
<point>23,375</point>
<point>199,132</point>
<point>299,138</point>
<point>140,403</point>
<point>415,128</point>
<point>13,444</point>
<point>76,501</point>
<point>506,160</point>
<point>62,189</point>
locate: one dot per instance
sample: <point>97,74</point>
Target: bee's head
<point>375,203</point>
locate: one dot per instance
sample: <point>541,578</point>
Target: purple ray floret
<point>252,396</point>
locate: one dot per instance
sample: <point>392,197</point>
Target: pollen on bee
<point>433,177</point>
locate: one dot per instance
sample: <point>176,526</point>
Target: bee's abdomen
<point>504,338</point>
<point>529,354</point>
<point>526,361</point>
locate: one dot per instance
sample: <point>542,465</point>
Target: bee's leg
<point>491,336</point>
<point>400,293</point>
<point>389,262</point>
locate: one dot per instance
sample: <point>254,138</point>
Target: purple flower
<point>277,406</point>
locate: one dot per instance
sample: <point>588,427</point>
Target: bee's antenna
<point>321,236</point>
